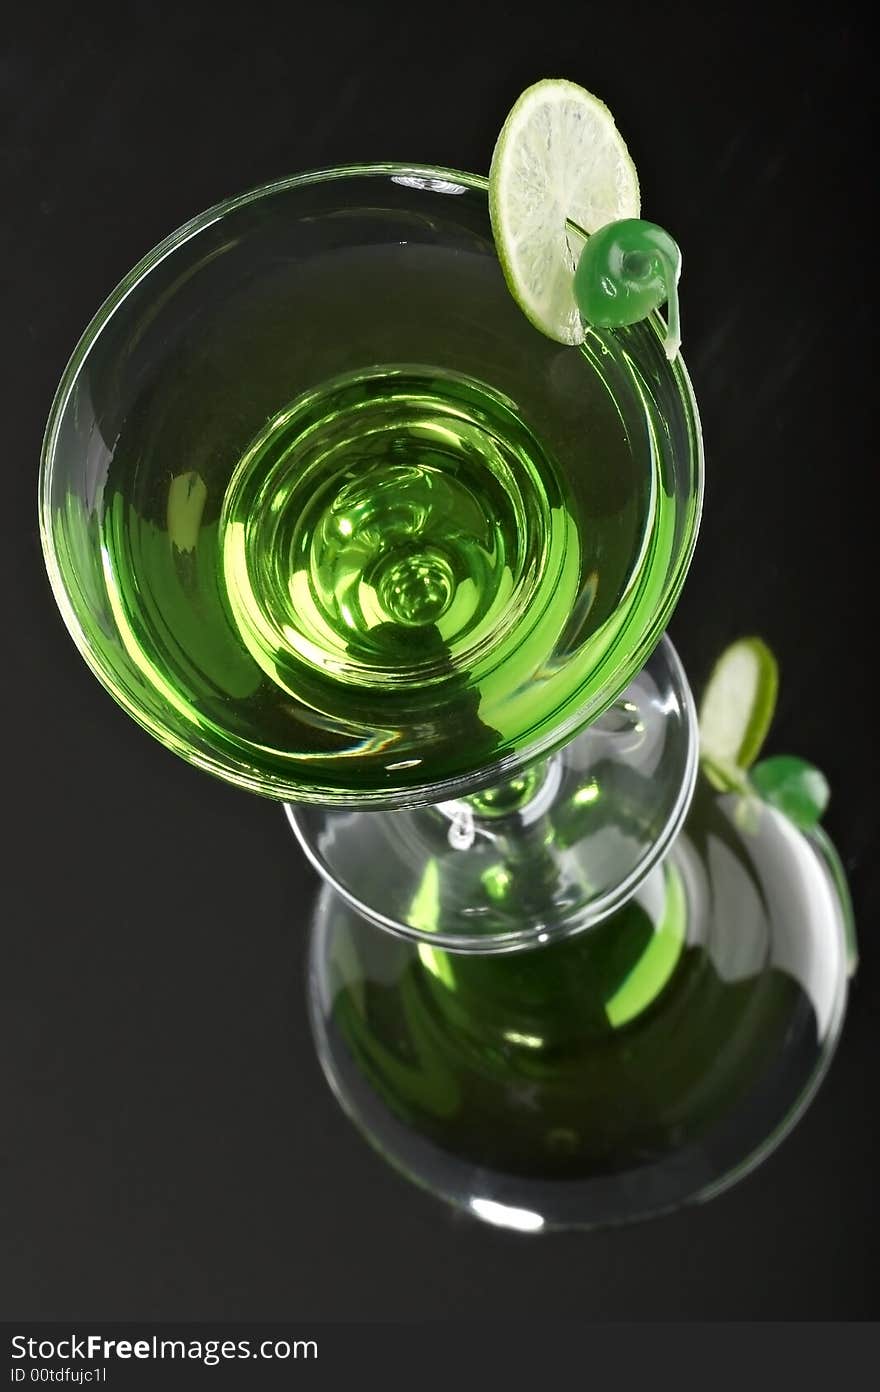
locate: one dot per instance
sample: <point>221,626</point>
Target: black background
<point>168,1147</point>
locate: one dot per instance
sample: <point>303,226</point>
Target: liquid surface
<point>344,522</point>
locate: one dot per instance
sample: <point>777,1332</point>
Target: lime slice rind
<point>559,165</point>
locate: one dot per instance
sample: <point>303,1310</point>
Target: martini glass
<point>329,518</point>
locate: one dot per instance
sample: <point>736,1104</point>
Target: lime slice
<point>560,169</point>
<point>736,709</point>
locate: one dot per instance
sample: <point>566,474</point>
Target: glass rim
<point>458,785</point>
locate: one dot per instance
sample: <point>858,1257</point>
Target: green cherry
<point>626,271</point>
<point>793,786</point>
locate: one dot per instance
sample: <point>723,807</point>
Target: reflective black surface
<point>168,1145</point>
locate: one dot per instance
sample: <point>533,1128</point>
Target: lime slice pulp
<point>560,170</point>
<point>737,707</point>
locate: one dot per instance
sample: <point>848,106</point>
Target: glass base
<point>540,857</point>
<point>650,1061</point>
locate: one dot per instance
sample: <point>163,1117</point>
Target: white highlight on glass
<point>503,1216</point>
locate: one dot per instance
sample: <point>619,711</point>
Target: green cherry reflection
<point>626,271</point>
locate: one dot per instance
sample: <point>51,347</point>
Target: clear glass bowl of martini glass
<point>331,520</point>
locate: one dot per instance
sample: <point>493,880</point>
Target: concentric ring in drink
<point>396,527</point>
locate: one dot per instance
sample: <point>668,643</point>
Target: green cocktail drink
<point>622,1051</point>
<point>345,523</point>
